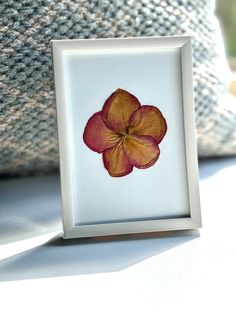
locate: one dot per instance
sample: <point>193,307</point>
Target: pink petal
<point>97,136</point>
<point>118,109</point>
<point>116,162</point>
<point>141,151</point>
<point>148,120</point>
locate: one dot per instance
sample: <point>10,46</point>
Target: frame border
<point>71,230</point>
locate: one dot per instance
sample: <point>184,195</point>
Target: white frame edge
<point>74,231</point>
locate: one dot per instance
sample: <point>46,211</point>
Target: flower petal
<point>97,136</point>
<point>141,151</point>
<point>148,120</point>
<point>116,162</point>
<point>117,110</point>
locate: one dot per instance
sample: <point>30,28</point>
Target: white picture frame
<point>87,69</point>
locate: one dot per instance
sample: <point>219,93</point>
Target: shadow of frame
<point>92,255</point>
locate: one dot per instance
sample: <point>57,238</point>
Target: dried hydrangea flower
<point>126,133</point>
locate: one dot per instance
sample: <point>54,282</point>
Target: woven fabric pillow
<point>28,119</point>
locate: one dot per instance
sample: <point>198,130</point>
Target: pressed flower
<point>126,133</point>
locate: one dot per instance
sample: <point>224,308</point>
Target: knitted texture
<point>28,118</point>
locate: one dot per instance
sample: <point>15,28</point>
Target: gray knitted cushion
<point>28,118</point>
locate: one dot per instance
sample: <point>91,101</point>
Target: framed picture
<point>128,159</point>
